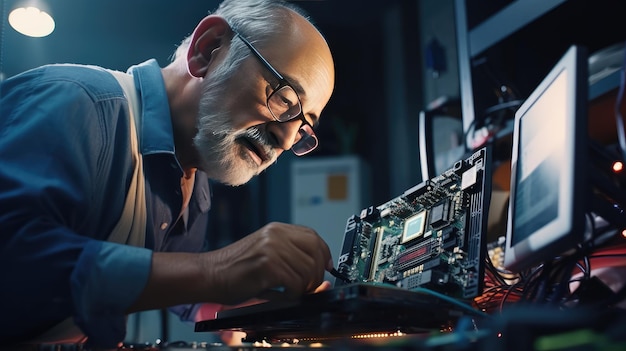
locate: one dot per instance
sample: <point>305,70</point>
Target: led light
<point>618,166</point>
<point>31,21</point>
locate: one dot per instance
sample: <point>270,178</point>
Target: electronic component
<point>414,227</point>
<point>432,236</point>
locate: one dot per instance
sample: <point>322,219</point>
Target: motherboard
<point>432,236</point>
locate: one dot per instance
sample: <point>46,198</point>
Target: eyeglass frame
<point>282,82</point>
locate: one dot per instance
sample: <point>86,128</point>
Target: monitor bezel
<point>563,234</point>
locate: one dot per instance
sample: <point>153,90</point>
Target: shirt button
<point>163,225</point>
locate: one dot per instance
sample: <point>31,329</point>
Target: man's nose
<point>286,133</point>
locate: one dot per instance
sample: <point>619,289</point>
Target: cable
<point>469,144</point>
<point>514,287</point>
<point>617,255</point>
<point>513,104</point>
<point>587,271</point>
<point>561,280</point>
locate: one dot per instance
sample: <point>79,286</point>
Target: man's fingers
<point>324,286</point>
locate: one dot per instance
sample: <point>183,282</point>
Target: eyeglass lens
<point>284,105</point>
<point>307,142</point>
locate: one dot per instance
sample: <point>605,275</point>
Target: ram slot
<point>373,252</point>
<point>414,255</point>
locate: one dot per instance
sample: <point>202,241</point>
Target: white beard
<point>223,156</point>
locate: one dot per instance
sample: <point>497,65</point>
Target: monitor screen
<point>546,210</point>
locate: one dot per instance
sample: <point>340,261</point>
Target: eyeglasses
<point>284,105</point>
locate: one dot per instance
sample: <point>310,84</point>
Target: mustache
<point>254,133</point>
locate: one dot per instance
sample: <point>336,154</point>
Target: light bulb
<point>31,21</point>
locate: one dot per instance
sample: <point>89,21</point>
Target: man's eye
<point>285,100</point>
<point>285,96</point>
<point>284,103</point>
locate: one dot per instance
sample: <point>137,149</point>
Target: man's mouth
<point>257,151</point>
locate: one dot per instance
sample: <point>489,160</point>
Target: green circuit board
<point>432,236</point>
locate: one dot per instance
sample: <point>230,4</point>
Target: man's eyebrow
<point>294,84</point>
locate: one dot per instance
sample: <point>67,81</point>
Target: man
<point>247,85</point>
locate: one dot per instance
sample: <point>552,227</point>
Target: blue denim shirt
<point>65,166</point>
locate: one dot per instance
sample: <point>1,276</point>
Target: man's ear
<point>210,34</point>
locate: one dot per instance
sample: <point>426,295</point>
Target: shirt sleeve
<point>106,281</point>
<point>63,176</point>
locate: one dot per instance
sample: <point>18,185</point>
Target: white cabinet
<point>326,191</point>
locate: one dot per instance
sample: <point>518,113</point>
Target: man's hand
<point>277,261</point>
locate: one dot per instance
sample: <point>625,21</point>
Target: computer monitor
<point>546,214</point>
<point>440,137</point>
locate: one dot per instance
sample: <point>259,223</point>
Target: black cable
<point>563,268</point>
<point>587,271</point>
<point>495,272</point>
<point>562,279</point>
<point>591,223</point>
<point>617,255</point>
<point>531,281</point>
<point>513,104</point>
<point>495,115</point>
<point>538,293</point>
<point>466,134</point>
<point>511,288</point>
<point>582,268</point>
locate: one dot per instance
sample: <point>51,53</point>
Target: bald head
<point>302,56</point>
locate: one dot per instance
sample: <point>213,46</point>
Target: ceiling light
<point>31,21</point>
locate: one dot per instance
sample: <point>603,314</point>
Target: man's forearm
<point>175,278</point>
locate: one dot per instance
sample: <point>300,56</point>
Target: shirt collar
<point>156,135</point>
